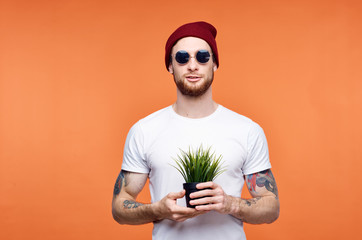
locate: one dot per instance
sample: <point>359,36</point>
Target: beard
<point>193,90</point>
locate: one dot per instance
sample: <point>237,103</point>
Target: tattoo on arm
<point>119,183</point>
<point>131,204</point>
<point>262,179</point>
<point>251,201</point>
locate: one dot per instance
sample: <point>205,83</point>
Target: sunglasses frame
<point>189,56</point>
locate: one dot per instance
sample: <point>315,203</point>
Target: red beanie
<point>201,30</point>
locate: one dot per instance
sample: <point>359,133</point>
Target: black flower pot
<point>190,188</point>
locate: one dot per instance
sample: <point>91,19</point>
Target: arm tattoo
<point>122,181</point>
<point>251,201</point>
<point>262,179</point>
<point>131,204</point>
<point>119,183</point>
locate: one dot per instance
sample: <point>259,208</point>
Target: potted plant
<point>197,166</point>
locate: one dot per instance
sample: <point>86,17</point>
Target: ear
<point>214,66</point>
<point>170,68</point>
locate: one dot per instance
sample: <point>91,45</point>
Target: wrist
<point>233,205</point>
<point>156,210</point>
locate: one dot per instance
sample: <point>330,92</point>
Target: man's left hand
<point>211,199</point>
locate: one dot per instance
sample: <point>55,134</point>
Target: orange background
<point>76,75</point>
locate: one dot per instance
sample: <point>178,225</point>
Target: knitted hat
<point>201,30</point>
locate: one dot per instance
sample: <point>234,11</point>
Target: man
<point>194,120</point>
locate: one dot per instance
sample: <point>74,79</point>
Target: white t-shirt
<point>153,143</point>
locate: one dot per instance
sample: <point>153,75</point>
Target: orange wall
<point>75,75</point>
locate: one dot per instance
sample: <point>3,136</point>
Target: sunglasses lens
<point>203,56</point>
<point>182,57</point>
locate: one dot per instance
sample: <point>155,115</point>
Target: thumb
<point>176,195</point>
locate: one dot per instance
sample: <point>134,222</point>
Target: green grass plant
<point>199,165</point>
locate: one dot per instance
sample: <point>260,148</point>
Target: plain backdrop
<point>76,75</point>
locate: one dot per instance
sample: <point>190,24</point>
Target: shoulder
<point>235,119</point>
<point>240,125</point>
<point>155,118</point>
<point>157,115</point>
<point>153,121</point>
<point>147,127</point>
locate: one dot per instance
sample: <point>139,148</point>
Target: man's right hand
<point>167,208</point>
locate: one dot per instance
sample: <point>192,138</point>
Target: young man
<point>194,120</point>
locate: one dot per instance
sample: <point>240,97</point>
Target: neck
<point>195,107</point>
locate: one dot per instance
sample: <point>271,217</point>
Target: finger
<point>181,218</point>
<point>206,185</point>
<point>189,212</point>
<point>174,208</point>
<point>206,208</point>
<point>208,200</point>
<point>201,201</point>
<point>202,193</point>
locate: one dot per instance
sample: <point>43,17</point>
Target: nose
<point>192,64</point>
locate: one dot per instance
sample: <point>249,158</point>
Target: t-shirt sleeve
<point>133,154</point>
<point>258,153</point>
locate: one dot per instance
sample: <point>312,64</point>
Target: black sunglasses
<point>202,56</point>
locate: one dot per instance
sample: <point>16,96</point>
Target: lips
<point>193,78</point>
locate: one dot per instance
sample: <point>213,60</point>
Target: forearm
<point>128,211</point>
<point>255,210</point>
